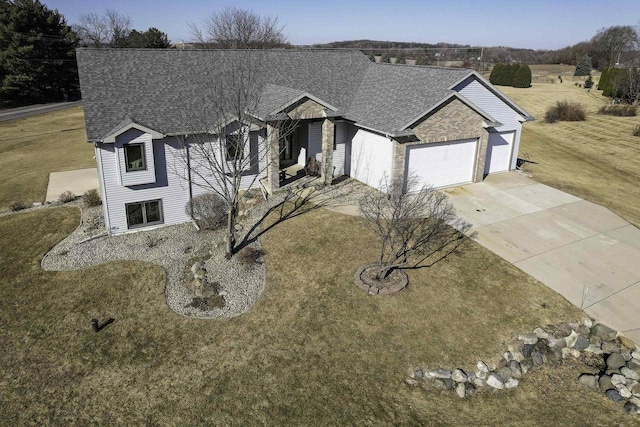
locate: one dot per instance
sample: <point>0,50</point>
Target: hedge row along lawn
<point>314,350</point>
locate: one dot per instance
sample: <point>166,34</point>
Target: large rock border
<point>377,290</point>
<point>619,378</point>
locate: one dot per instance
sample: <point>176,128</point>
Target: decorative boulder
<point>504,373</point>
<point>482,367</point>
<point>581,343</point>
<point>439,373</point>
<point>461,390</point>
<point>541,333</point>
<point>528,338</point>
<point>604,382</point>
<point>615,361</point>
<point>628,373</point>
<point>609,347</point>
<point>631,408</point>
<point>516,369</point>
<point>195,267</point>
<point>604,332</point>
<point>495,382</point>
<point>587,380</point>
<point>512,383</point>
<point>459,376</point>
<point>614,395</point>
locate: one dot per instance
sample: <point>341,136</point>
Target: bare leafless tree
<point>233,28</point>
<point>227,150</point>
<point>612,42</point>
<point>108,30</point>
<point>415,228</point>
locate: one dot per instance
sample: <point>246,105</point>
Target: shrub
<point>583,66</point>
<point>372,58</point>
<point>91,198</point>
<point>401,58</point>
<point>209,211</point>
<point>622,110</point>
<point>560,78</point>
<point>496,74</point>
<point>421,60</point>
<point>522,77</point>
<point>248,255</point>
<point>18,205</point>
<point>386,58</point>
<point>565,111</point>
<point>589,82</point>
<point>66,197</point>
<point>614,85</point>
<point>636,131</point>
<point>604,77</point>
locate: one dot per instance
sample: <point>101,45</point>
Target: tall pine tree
<point>37,54</point>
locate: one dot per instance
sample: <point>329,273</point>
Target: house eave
<point>111,137</point>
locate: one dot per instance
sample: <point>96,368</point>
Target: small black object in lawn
<point>97,327</point>
<point>94,325</point>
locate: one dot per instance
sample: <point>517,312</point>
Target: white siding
<point>168,186</point>
<point>203,180</point>
<point>340,152</point>
<point>371,158</point>
<point>478,93</point>
<point>147,176</point>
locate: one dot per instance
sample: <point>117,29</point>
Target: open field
<point>33,147</point>
<point>598,160</point>
<point>315,350</point>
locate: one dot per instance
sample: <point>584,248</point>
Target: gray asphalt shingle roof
<point>158,87</point>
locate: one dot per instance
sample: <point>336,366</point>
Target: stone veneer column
<point>273,158</point>
<point>328,135</point>
<point>483,144</point>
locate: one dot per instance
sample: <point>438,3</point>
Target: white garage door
<point>442,164</point>
<point>499,152</point>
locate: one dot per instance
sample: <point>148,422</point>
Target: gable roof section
<point>125,125</point>
<point>497,92</point>
<point>390,94</point>
<point>160,87</point>
<point>163,88</point>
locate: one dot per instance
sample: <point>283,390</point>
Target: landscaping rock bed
<point>396,281</point>
<point>617,357</point>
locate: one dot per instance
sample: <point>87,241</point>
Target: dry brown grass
<point>314,350</point>
<point>598,160</point>
<point>33,147</point>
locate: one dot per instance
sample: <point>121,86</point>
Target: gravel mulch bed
<point>177,247</point>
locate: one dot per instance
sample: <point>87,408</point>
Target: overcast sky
<point>540,24</point>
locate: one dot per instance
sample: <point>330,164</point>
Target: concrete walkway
<point>77,181</point>
<point>581,250</point>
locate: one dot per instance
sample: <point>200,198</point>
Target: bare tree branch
<point>108,30</point>
<point>233,28</point>
<point>413,227</point>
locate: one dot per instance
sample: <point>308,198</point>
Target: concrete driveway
<point>581,250</point>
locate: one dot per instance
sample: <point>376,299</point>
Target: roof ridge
<point>436,67</point>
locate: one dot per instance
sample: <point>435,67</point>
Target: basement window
<point>142,214</point>
<point>134,157</point>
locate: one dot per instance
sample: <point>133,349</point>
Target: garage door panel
<point>442,164</point>
<point>499,151</point>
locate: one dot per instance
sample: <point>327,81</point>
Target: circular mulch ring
<point>365,280</point>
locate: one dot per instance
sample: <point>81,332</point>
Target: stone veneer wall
<point>452,122</point>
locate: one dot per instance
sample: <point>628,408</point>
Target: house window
<point>134,157</point>
<point>141,214</point>
<point>235,147</point>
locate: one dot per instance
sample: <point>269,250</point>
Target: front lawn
<point>314,350</point>
<point>33,147</point>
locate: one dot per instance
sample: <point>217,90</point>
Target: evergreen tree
<point>589,82</point>
<point>386,58</point>
<point>496,73</point>
<point>510,74</point>
<point>602,83</point>
<point>372,57</point>
<point>401,58</point>
<point>152,38</point>
<point>522,77</point>
<point>37,54</point>
<point>421,60</point>
<point>583,66</point>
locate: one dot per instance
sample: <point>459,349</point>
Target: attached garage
<point>442,164</point>
<point>499,152</point>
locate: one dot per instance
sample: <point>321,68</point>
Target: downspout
<point>189,179</point>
